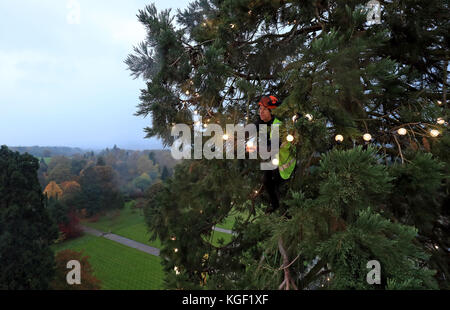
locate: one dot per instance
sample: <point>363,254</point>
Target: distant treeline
<point>48,151</point>
<point>162,157</point>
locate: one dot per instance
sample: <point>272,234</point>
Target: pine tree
<point>26,229</point>
<point>165,173</point>
<point>377,195</point>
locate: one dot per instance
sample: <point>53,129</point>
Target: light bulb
<point>187,92</point>
<point>440,121</point>
<point>205,125</point>
<point>175,250</point>
<point>439,102</point>
<point>173,238</point>
<point>436,247</point>
<point>401,131</point>
<point>434,133</point>
<point>232,26</point>
<point>290,138</point>
<point>367,137</point>
<point>250,143</point>
<point>275,162</point>
<point>339,138</point>
<point>309,117</point>
<point>225,137</point>
<point>176,270</point>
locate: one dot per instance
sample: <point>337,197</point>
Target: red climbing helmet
<point>270,102</point>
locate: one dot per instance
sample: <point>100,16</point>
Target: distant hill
<point>162,157</point>
<point>48,151</point>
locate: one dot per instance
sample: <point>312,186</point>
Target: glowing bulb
<point>175,250</point>
<point>232,26</point>
<point>439,102</point>
<point>401,131</point>
<point>173,238</point>
<point>436,247</point>
<point>204,24</point>
<point>290,138</point>
<point>367,137</point>
<point>440,121</point>
<point>275,162</point>
<point>256,192</point>
<point>434,133</point>
<point>339,138</point>
<point>309,117</point>
<point>205,125</point>
<point>225,137</point>
<point>176,270</point>
<point>250,143</point>
<point>187,92</point>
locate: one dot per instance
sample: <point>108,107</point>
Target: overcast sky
<point>63,81</point>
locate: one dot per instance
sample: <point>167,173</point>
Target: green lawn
<point>220,235</point>
<point>118,267</point>
<point>129,223</point>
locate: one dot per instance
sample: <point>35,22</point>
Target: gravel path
<point>227,231</point>
<point>125,241</point>
<point>134,244</point>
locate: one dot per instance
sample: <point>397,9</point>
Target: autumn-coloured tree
<point>71,229</point>
<point>60,169</point>
<point>71,193</point>
<point>88,279</point>
<point>53,190</point>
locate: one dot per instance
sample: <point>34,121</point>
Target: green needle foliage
<point>347,203</point>
<point>26,229</point>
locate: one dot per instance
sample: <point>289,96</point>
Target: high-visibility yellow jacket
<point>286,156</point>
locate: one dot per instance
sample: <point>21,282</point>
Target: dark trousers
<point>272,182</point>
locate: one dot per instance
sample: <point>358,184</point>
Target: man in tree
<point>273,179</point>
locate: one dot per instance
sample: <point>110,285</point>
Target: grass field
<point>121,267</point>
<point>118,267</point>
<point>130,223</point>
